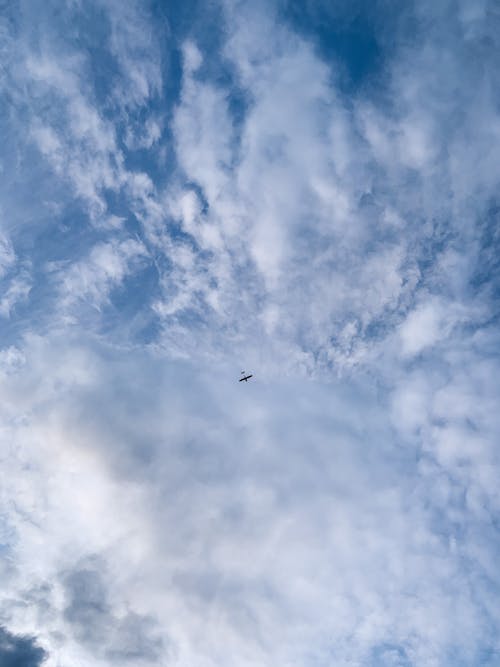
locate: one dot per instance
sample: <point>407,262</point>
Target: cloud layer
<point>304,190</point>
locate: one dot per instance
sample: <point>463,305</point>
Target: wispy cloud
<point>104,269</point>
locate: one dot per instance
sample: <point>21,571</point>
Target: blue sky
<point>306,190</point>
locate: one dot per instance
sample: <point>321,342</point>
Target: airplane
<point>245,377</point>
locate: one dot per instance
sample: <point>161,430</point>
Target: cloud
<point>15,279</point>
<point>323,185</point>
<point>19,651</point>
<point>18,290</point>
<point>106,267</point>
<point>7,255</point>
<point>178,205</point>
<point>82,145</point>
<point>192,57</point>
<point>133,43</point>
<point>428,324</point>
<point>185,489</point>
<point>89,613</point>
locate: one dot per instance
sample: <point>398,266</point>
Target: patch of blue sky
<point>356,38</point>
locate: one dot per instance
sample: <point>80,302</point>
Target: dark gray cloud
<point>90,614</point>
<point>19,650</point>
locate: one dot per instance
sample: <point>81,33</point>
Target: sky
<point>307,190</point>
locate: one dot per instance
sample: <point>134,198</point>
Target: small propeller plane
<point>245,377</point>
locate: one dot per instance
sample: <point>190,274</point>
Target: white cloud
<point>7,255</point>
<point>17,290</point>
<point>104,269</point>
<point>80,145</point>
<point>192,58</point>
<point>156,510</point>
<point>186,491</point>
<point>146,136</point>
<point>423,327</point>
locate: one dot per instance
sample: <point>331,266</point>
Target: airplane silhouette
<point>245,377</point>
